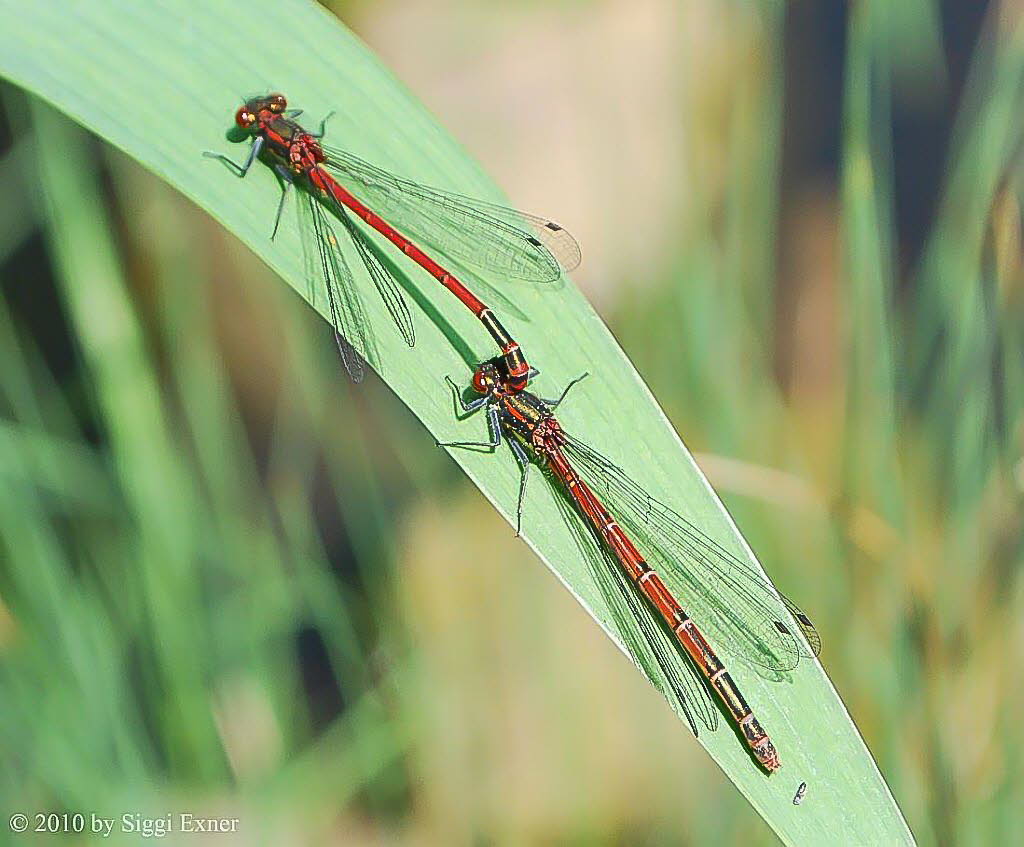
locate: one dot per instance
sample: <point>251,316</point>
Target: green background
<point>233,584</point>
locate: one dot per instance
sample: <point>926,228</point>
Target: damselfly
<point>736,605</point>
<point>513,244</point>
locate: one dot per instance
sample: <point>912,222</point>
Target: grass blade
<point>161,81</point>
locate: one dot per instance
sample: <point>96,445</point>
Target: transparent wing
<point>385,282</point>
<point>487,235</point>
<point>745,615</point>
<point>658,656</point>
<point>326,265</point>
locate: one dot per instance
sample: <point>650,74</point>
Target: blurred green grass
<point>246,512</point>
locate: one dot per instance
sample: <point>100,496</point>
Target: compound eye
<point>479,383</point>
<point>244,118</point>
<point>277,103</point>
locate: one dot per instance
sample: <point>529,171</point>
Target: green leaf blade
<point>161,82</point>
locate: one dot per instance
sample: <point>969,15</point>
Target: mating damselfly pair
<point>673,589</point>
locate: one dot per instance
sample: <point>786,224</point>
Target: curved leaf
<point>161,81</point>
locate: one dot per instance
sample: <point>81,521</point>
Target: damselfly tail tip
<point>767,755</point>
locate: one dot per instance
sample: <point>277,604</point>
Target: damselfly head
<point>485,378</point>
<point>247,116</point>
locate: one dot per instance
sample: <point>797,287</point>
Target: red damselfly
<point>737,607</point>
<point>513,244</point>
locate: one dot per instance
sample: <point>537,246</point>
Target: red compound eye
<point>244,118</point>
<point>479,382</point>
